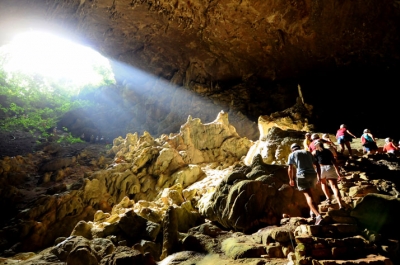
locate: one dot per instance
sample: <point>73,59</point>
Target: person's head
<point>387,140</point>
<point>294,147</point>
<point>366,131</point>
<point>325,136</point>
<point>343,126</point>
<point>314,136</point>
<point>319,145</point>
<point>308,135</point>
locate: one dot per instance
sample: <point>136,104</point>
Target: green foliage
<point>31,103</point>
<point>68,138</point>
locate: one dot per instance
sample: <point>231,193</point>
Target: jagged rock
<point>275,146</point>
<point>64,248</point>
<point>154,248</point>
<point>82,228</point>
<point>293,118</point>
<point>254,200</point>
<point>137,227</point>
<point>170,233</point>
<point>82,254</point>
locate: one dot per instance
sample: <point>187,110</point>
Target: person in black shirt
<point>329,172</point>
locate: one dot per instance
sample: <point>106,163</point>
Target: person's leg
<point>342,148</point>
<point>348,147</point>
<point>336,192</point>
<point>325,189</point>
<point>308,195</point>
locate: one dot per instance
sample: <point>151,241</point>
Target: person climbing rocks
<point>307,141</point>
<point>368,142</point>
<point>344,138</point>
<point>314,139</point>
<point>389,147</point>
<point>329,172</point>
<point>306,176</point>
<point>329,145</point>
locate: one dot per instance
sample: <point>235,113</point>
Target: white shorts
<point>328,172</point>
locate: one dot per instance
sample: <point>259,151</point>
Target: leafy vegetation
<point>35,104</point>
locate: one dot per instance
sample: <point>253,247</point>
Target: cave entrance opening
<point>57,61</point>
<point>42,78</point>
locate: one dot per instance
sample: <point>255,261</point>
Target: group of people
<point>313,166</point>
<point>316,163</point>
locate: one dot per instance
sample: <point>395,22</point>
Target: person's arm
<point>291,171</point>
<point>318,168</point>
<point>351,134</point>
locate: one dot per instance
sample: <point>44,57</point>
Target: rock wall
<point>142,169</point>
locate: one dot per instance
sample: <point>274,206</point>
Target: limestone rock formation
<point>294,118</point>
<point>189,197</point>
<point>254,197</point>
<point>144,168</point>
<point>274,148</point>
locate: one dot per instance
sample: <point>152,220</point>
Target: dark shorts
<point>306,181</point>
<point>370,146</point>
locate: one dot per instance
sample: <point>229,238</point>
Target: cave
<point>243,57</point>
<point>178,65</point>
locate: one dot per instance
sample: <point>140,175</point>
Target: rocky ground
<point>189,198</point>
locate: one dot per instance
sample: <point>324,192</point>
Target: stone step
<point>369,260</point>
<point>318,247</point>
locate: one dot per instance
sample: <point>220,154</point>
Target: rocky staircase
<point>337,240</point>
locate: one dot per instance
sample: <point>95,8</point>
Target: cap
<point>314,136</point>
<point>295,146</point>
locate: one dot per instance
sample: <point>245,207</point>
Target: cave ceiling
<point>205,41</point>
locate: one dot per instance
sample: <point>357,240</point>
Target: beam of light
<point>54,58</point>
<point>151,103</point>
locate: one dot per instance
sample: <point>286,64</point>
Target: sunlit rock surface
<point>278,131</point>
<point>294,118</point>
<point>218,210</point>
<point>143,168</point>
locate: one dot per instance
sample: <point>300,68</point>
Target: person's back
<point>303,160</point>
<point>389,147</point>
<point>324,157</point>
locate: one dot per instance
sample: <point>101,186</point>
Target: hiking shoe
<point>318,220</point>
<point>312,214</point>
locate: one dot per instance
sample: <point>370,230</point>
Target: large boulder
<point>378,212</point>
<point>254,197</point>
